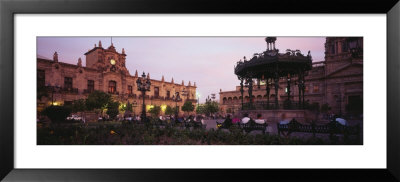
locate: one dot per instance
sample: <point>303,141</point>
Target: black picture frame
<point>9,8</point>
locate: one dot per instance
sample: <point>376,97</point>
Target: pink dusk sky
<point>208,61</point>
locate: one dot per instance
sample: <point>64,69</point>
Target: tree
<point>78,105</point>
<point>57,113</point>
<point>201,109</point>
<point>98,100</point>
<point>122,107</point>
<point>169,110</point>
<point>155,111</point>
<point>41,92</point>
<point>129,107</point>
<point>188,107</point>
<point>211,107</point>
<point>112,109</point>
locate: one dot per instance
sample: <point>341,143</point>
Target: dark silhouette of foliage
<point>188,107</point>
<point>169,110</point>
<point>155,111</point>
<point>78,105</point>
<point>56,113</point>
<point>112,109</point>
<point>97,100</point>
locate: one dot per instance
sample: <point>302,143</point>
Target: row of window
<point>315,89</point>
<point>112,85</point>
<point>345,46</point>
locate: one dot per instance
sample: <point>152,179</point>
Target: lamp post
<point>208,99</point>
<point>185,93</point>
<point>176,97</point>
<point>208,102</point>
<point>213,96</point>
<point>198,99</point>
<point>53,90</point>
<point>143,85</point>
<point>288,92</point>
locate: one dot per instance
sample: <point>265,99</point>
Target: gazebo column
<point>241,90</point>
<point>276,79</point>
<point>303,89</point>
<point>251,92</point>
<point>268,90</point>
<point>300,86</point>
<point>288,90</point>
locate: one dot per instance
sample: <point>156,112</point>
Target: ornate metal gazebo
<point>270,66</point>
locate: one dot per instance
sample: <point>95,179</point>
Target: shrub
<point>188,107</point>
<point>112,109</point>
<point>169,110</point>
<point>57,113</point>
<point>155,111</point>
<point>78,105</point>
<point>97,100</point>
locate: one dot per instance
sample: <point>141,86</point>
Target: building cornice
<point>93,50</point>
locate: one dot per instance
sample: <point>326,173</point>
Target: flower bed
<point>117,133</point>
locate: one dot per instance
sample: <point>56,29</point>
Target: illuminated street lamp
<point>53,90</point>
<point>143,85</point>
<point>198,99</point>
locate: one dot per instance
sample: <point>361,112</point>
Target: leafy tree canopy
<point>201,109</point>
<point>170,110</point>
<point>208,108</point>
<point>112,109</point>
<point>188,107</point>
<point>212,107</point>
<point>78,105</point>
<point>155,111</point>
<point>98,100</point>
<point>129,107</point>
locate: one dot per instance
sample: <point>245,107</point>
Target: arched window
<point>112,87</point>
<point>130,90</point>
<point>259,97</point>
<point>252,98</point>
<point>224,100</point>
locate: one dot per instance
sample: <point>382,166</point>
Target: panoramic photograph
<point>267,90</point>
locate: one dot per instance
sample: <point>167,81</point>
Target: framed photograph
<point>154,90</point>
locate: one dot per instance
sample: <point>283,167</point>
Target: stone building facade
<point>105,71</point>
<point>337,81</point>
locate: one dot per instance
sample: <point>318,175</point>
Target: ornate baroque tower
<point>106,60</point>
